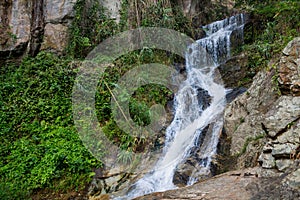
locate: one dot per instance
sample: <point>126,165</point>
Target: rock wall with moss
<point>30,26</point>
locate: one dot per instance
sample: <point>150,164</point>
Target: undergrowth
<point>274,24</point>
<point>39,144</point>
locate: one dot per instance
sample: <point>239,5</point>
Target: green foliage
<point>39,145</point>
<point>167,17</point>
<point>139,103</point>
<point>277,22</point>
<point>89,27</point>
<point>251,140</point>
<point>275,82</point>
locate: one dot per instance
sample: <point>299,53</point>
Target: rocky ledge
<point>237,185</point>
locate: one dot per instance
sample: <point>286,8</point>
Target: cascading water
<point>191,115</point>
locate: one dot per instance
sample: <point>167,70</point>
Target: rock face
<point>58,17</point>
<point>31,26</point>
<point>25,23</point>
<point>266,119</point>
<point>234,70</point>
<point>15,26</point>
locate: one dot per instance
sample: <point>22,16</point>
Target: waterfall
<point>193,113</point>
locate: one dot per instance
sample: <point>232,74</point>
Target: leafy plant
<point>249,140</point>
<point>271,31</point>
<point>90,26</point>
<point>40,147</point>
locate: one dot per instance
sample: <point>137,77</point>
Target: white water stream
<point>191,117</point>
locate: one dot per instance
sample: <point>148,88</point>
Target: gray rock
<point>234,70</point>
<point>283,149</point>
<point>290,47</point>
<point>95,188</point>
<point>285,110</point>
<point>292,135</point>
<point>17,26</point>
<point>57,11</point>
<point>244,116</point>
<point>283,164</point>
<point>261,110</point>
<point>113,7</point>
<point>243,184</point>
<point>268,147</point>
<point>268,161</point>
<point>293,179</point>
<point>27,22</point>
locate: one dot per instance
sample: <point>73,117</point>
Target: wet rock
<point>234,70</point>
<point>232,94</point>
<point>203,98</point>
<point>196,166</point>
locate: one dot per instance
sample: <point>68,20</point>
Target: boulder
<point>268,161</point>
<point>283,164</point>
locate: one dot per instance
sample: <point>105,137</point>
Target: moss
<point>250,140</point>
